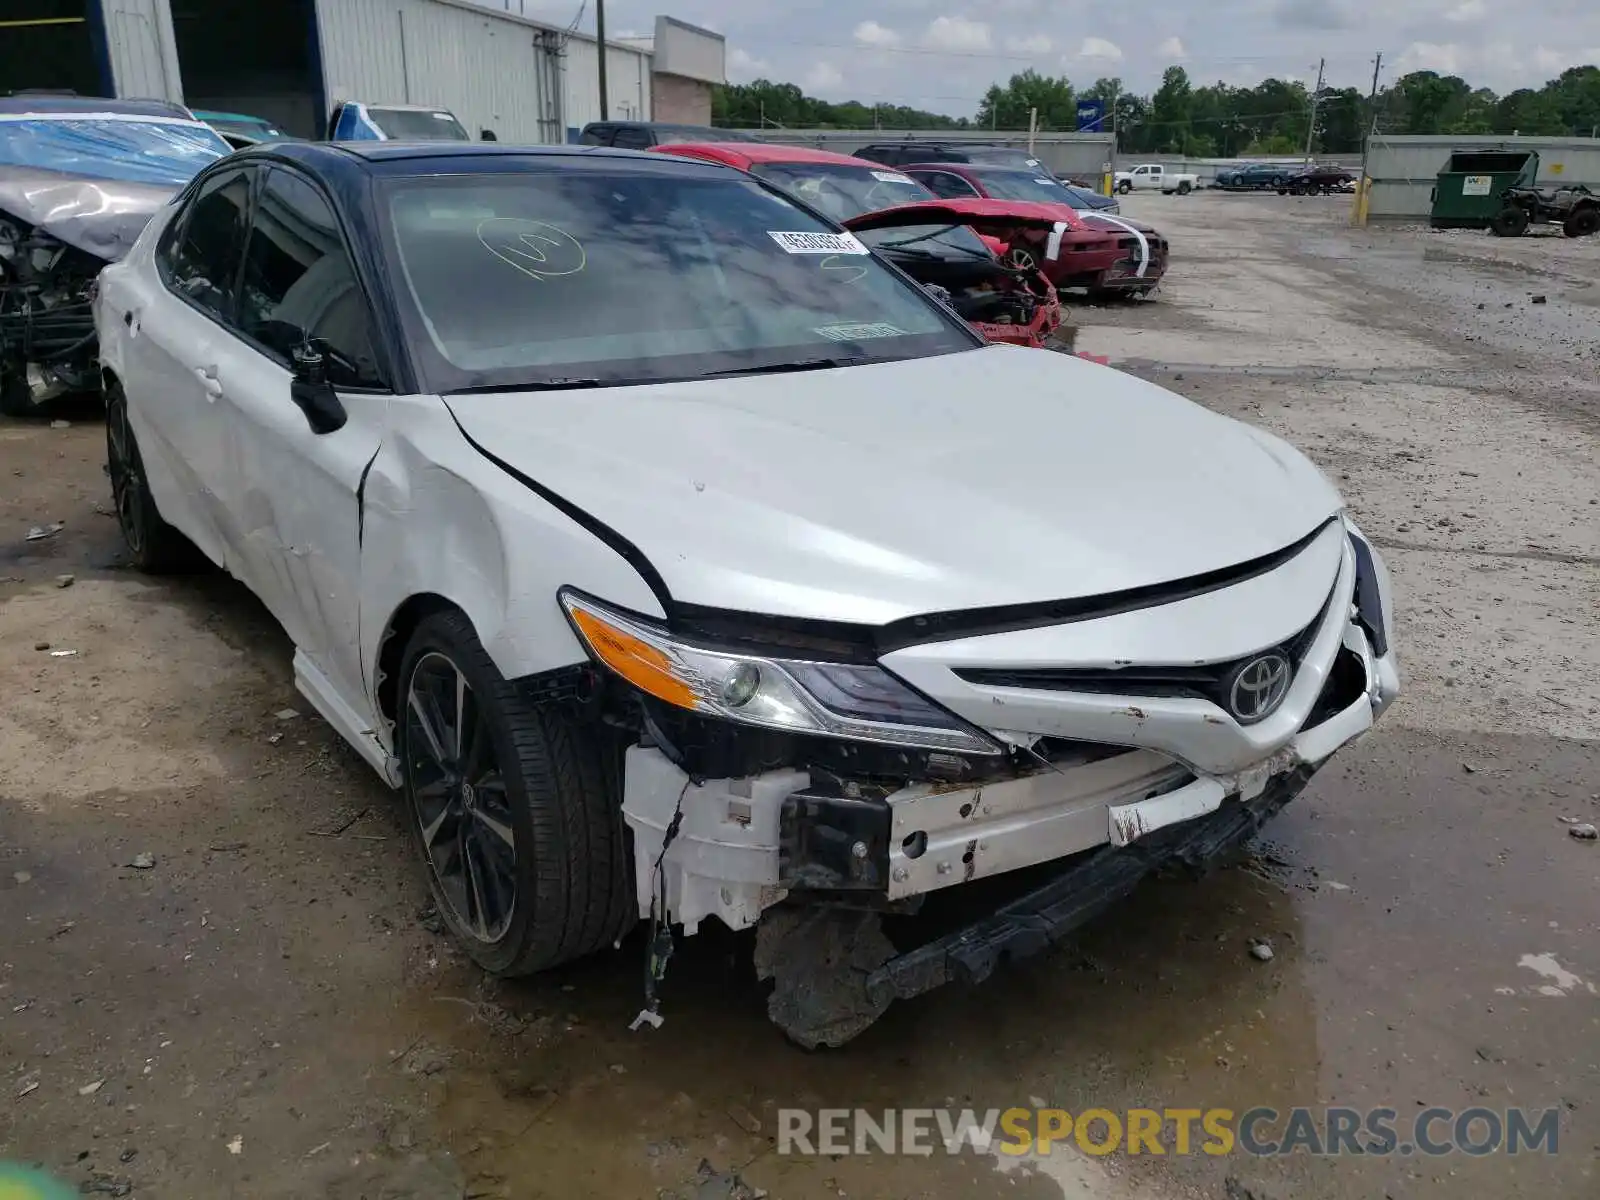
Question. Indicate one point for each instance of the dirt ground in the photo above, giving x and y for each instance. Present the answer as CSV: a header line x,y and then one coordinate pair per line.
x,y
263,1007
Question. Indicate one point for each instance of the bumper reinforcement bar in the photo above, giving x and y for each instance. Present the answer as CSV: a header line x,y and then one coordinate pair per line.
x,y
1051,913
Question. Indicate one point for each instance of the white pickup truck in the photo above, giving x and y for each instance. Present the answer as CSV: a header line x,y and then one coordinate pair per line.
x,y
1153,176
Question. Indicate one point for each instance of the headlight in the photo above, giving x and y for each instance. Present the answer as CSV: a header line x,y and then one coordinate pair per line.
x,y
844,700
1372,591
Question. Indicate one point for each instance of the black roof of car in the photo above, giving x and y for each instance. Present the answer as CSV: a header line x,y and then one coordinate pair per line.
x,y
51,102
431,158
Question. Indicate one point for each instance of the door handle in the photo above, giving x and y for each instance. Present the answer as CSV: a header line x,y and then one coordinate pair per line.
x,y
209,381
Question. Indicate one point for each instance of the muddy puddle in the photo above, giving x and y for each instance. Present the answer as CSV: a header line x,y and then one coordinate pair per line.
x,y
546,1093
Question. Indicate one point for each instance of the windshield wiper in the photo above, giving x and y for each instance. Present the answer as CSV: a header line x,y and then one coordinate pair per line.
x,y
921,237
533,385
803,364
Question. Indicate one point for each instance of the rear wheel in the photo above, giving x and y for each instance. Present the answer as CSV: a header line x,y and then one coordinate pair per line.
x,y
1510,222
519,830
16,398
154,546
1582,223
1184,188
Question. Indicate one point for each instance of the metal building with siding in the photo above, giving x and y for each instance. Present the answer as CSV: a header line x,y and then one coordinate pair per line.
x,y
290,61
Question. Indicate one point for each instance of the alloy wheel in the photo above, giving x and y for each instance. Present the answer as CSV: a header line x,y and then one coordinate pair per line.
x,y
127,482
459,799
1020,260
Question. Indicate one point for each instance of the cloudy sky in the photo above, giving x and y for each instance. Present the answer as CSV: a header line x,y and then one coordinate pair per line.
x,y
942,54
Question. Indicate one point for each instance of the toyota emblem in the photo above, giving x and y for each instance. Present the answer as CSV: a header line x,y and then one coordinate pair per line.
x,y
1259,687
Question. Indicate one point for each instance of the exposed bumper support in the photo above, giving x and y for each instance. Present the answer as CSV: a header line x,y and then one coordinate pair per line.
x,y
1050,914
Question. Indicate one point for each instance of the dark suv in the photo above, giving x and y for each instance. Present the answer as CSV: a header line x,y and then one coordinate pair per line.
x,y
898,154
641,135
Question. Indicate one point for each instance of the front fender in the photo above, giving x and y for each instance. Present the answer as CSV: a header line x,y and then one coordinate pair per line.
x,y
440,519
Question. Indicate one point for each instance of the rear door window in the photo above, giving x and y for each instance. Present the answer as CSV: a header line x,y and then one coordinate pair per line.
x,y
201,262
596,135
632,138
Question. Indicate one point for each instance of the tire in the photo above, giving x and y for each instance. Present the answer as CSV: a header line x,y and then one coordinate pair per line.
x,y
1184,188
16,397
1583,223
1125,187
519,805
1510,222
154,546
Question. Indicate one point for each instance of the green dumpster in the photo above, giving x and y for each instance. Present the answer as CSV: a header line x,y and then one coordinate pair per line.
x,y
1467,195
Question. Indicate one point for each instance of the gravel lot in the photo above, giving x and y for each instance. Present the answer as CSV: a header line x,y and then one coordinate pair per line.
x,y
263,1011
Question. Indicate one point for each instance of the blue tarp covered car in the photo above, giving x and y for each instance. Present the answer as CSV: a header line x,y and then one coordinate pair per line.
x,y
79,179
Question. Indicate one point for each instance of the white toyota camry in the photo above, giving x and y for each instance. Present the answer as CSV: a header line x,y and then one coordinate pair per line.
x,y
678,558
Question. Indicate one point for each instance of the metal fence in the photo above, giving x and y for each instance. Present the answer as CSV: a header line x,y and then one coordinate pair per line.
x,y
1404,169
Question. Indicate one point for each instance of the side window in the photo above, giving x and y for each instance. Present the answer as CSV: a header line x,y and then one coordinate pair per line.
x,y
201,261
300,285
872,154
950,187
596,135
631,139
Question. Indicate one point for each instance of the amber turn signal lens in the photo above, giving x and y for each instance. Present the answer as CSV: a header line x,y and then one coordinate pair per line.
x,y
641,664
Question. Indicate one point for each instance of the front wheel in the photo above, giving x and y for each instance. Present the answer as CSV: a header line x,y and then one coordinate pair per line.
x,y
511,808
1510,222
1125,187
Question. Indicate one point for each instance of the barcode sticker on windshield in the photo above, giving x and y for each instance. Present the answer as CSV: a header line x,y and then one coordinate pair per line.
x,y
818,243
1046,182
860,333
891,177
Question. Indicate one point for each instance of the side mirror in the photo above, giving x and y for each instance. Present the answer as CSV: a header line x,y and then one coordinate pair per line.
x,y
312,392
489,136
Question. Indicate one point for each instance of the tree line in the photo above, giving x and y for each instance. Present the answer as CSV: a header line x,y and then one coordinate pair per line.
x,y
1271,118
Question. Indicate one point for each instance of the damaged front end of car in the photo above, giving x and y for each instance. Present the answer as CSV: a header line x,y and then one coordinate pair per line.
x,y
1003,302
824,784
76,190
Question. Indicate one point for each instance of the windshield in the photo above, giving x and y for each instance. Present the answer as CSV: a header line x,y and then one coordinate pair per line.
x,y
247,127
410,125
843,191
156,150
1010,158
1026,185
575,278
927,241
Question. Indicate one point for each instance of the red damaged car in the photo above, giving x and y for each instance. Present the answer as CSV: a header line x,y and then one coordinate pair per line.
x,y
1005,303
1106,254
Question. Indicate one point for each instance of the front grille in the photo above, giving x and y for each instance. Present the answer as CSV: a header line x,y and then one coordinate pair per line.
x,y
1207,681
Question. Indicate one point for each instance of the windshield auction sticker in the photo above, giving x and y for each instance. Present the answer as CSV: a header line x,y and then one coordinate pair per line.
x,y
858,333
818,243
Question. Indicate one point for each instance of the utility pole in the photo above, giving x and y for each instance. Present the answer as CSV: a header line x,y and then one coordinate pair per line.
x,y
1363,188
1372,100
1372,107
1316,98
1033,127
600,53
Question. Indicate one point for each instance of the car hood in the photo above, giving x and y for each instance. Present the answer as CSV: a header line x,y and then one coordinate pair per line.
x,y
1095,220
867,494
975,211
